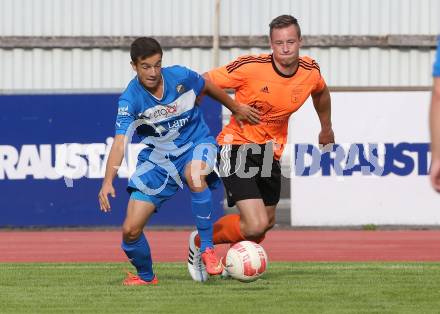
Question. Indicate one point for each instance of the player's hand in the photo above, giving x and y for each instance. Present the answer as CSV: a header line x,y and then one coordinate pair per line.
x,y
247,113
326,137
104,203
434,174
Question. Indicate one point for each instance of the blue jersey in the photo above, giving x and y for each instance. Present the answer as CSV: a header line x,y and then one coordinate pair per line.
x,y
436,69
172,123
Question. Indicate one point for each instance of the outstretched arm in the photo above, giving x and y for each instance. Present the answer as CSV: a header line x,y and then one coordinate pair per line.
x,y
322,103
434,121
241,112
113,162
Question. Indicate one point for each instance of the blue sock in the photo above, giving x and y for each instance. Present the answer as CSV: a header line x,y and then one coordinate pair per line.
x,y
202,211
138,252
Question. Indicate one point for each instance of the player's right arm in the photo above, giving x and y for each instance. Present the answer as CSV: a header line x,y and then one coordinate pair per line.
x,y
126,116
233,77
113,162
240,112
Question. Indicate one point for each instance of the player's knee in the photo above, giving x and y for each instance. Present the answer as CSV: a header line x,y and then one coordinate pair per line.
x,y
130,233
195,175
255,230
197,184
254,234
197,188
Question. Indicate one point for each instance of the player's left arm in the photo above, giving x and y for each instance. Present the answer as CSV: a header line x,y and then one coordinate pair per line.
x,y
322,103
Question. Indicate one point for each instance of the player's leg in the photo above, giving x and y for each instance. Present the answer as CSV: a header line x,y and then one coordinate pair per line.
x,y
270,216
270,188
254,219
251,223
150,186
134,242
201,201
196,172
256,198
240,167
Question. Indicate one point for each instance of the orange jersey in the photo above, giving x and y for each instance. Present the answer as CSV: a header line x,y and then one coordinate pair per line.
x,y
258,83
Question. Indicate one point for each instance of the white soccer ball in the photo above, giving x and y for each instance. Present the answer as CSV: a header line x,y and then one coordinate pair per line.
x,y
246,261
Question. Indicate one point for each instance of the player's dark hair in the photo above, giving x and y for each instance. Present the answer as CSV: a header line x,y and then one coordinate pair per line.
x,y
283,21
144,47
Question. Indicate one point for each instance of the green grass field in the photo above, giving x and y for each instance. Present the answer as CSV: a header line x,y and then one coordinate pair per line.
x,y
285,288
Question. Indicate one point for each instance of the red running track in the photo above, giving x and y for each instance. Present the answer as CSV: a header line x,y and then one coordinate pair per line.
x,y
171,246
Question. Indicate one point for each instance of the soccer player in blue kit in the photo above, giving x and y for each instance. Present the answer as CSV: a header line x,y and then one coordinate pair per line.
x,y
160,105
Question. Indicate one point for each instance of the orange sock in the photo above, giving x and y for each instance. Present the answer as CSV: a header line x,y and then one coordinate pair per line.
x,y
226,230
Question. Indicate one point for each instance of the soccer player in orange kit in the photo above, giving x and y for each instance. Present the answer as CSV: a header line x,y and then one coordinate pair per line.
x,y
277,85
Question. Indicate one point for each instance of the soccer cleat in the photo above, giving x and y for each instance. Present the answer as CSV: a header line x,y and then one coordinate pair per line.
x,y
196,268
133,280
213,265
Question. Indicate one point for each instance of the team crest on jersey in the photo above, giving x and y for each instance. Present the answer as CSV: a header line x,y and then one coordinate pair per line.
x,y
296,95
180,89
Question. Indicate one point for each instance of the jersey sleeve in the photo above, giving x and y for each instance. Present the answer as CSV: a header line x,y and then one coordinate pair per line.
x,y
320,82
319,86
436,67
228,76
126,115
195,81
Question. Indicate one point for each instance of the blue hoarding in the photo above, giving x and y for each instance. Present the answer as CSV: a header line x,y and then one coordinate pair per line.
x,y
36,130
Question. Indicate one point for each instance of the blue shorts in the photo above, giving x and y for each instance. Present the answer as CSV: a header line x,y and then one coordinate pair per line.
x,y
159,177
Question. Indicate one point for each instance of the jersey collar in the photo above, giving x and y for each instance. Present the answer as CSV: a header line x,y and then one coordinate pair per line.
x,y
278,71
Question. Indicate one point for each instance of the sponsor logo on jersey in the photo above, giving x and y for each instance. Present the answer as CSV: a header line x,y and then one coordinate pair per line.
x,y
161,113
267,115
123,111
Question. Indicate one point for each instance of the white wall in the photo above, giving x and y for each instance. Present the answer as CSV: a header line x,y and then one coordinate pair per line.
x,y
110,69
194,17
37,69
